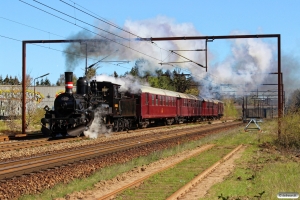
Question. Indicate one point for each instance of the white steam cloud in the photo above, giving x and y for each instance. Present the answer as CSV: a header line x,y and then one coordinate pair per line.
x,y
98,128
248,64
128,83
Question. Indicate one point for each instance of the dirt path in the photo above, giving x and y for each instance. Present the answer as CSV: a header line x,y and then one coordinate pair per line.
x,y
216,176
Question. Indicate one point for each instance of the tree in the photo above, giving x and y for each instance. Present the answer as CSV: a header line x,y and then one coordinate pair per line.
x,y
91,73
42,82
15,81
47,82
181,81
6,80
116,74
28,80
61,80
294,101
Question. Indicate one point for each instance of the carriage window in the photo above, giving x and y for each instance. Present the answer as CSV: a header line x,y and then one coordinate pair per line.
x,y
167,101
152,99
156,99
147,98
161,101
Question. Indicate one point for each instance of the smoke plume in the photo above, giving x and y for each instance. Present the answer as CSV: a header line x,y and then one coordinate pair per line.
x,y
246,67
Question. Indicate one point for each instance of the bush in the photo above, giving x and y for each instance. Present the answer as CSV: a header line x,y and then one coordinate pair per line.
x,y
290,131
230,111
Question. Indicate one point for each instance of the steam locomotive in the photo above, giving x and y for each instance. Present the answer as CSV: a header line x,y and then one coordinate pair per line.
x,y
75,112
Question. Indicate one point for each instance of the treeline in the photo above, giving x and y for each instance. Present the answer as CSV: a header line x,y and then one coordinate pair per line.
x,y
9,80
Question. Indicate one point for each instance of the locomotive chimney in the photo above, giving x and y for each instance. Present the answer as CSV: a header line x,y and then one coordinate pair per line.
x,y
69,82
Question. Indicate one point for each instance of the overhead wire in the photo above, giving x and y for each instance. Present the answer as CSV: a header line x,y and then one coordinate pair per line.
x,y
92,31
56,50
105,21
31,27
79,20
103,30
48,33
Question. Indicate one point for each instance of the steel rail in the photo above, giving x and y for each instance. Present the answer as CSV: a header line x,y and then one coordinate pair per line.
x,y
33,143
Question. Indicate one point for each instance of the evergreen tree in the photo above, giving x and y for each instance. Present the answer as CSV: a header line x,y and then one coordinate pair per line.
x,y
47,82
42,82
6,80
11,81
1,80
16,81
115,74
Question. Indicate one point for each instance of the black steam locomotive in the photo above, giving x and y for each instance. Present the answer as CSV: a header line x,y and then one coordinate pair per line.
x,y
74,112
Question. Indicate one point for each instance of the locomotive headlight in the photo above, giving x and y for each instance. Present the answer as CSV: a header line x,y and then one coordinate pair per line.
x,y
116,105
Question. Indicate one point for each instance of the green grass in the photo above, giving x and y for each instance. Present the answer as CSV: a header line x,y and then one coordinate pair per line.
x,y
258,172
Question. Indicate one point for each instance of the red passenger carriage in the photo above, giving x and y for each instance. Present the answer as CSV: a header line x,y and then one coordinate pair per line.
x,y
168,107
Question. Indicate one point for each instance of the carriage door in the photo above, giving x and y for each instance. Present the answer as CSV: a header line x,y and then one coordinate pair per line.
x,y
147,103
178,106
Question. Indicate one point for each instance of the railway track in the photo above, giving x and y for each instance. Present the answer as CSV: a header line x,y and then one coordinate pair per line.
x,y
34,164
29,143
39,135
179,194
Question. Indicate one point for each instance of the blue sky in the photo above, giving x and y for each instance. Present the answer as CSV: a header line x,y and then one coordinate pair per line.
x,y
209,17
